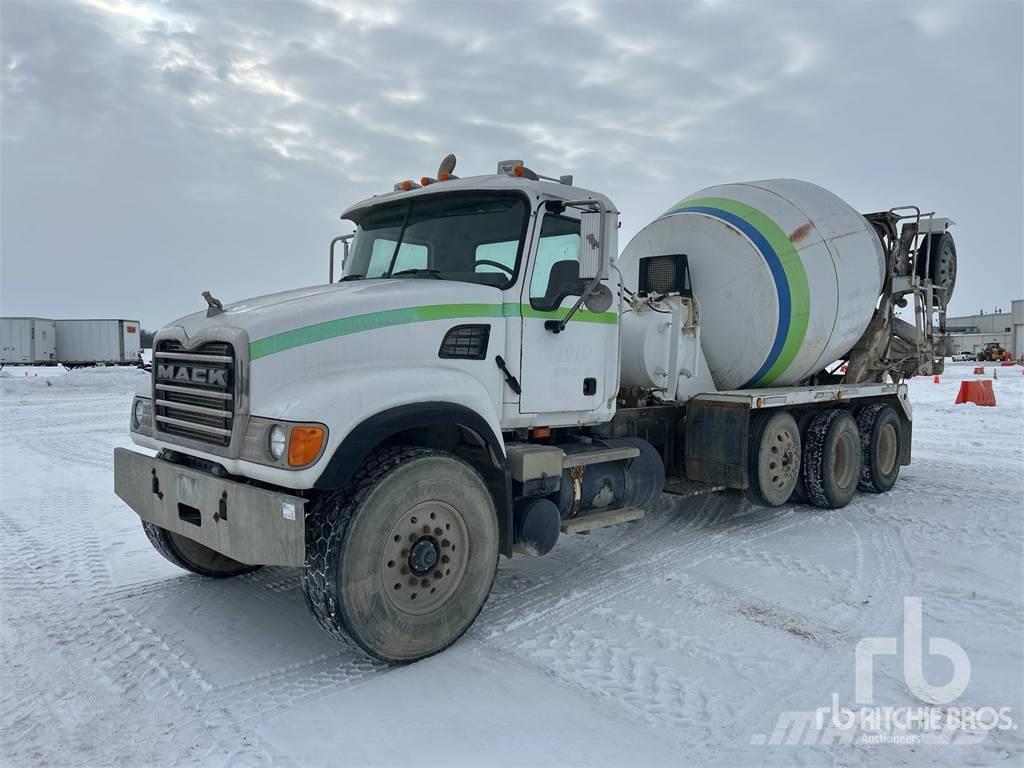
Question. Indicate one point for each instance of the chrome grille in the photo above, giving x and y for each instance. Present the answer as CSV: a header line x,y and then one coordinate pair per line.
x,y
193,391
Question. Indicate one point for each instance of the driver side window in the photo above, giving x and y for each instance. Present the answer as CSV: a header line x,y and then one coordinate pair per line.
x,y
498,253
556,270
410,256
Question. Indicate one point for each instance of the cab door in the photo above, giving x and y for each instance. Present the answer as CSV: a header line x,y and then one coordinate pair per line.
x,y
574,372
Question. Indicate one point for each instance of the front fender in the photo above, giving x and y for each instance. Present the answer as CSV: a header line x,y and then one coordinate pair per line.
x,y
344,399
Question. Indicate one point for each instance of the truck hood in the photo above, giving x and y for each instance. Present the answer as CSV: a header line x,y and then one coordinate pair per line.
x,y
265,316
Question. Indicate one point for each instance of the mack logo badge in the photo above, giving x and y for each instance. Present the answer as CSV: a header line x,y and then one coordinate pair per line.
x,y
191,374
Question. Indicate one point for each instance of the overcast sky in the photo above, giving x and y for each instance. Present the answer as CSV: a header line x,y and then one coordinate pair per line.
x,y
153,150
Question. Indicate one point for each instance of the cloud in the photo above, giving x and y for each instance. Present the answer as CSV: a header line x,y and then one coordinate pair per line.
x,y
223,138
935,20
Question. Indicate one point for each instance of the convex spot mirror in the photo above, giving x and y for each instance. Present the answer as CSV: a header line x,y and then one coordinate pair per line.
x,y
599,299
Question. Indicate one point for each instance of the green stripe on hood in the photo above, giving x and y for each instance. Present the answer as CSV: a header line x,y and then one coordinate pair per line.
x,y
371,321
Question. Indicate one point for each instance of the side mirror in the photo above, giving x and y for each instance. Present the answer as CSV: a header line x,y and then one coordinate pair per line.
x,y
593,261
344,240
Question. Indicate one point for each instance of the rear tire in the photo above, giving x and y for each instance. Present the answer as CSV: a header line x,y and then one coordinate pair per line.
x,y
400,564
193,556
799,491
881,439
832,459
773,462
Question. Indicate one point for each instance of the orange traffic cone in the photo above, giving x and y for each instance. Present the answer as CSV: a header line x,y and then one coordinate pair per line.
x,y
935,379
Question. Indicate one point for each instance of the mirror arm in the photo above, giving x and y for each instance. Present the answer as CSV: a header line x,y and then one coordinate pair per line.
x,y
557,326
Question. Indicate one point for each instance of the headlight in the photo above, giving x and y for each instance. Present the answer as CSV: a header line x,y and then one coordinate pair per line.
x,y
142,416
277,442
138,413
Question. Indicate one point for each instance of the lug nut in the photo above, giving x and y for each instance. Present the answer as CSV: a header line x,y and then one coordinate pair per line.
x,y
438,531
445,543
412,581
437,575
425,582
405,570
426,529
444,558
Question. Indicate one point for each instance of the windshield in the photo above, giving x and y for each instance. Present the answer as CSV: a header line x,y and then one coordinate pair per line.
x,y
473,237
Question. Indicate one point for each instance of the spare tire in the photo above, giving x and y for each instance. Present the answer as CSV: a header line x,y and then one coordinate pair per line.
x,y
193,556
936,260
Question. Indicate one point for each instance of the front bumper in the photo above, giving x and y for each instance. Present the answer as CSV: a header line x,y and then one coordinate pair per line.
x,y
247,524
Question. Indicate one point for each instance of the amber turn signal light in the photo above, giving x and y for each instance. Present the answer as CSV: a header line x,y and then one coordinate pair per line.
x,y
304,445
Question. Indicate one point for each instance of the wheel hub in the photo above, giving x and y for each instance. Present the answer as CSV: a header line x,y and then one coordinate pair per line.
x,y
424,557
782,463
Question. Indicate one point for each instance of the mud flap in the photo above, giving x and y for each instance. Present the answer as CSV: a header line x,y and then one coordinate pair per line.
x,y
716,443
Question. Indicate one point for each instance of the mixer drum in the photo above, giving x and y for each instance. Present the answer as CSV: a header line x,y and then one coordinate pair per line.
x,y
786,274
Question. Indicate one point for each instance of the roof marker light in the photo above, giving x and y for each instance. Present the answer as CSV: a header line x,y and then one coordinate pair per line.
x,y
523,172
405,186
518,168
426,180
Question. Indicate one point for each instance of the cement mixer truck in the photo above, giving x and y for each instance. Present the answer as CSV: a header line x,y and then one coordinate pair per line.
x,y
488,372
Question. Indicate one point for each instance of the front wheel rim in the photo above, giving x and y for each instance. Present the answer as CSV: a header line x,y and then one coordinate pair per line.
x,y
424,557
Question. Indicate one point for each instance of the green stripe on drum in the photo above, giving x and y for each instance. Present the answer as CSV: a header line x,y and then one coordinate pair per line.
x,y
793,267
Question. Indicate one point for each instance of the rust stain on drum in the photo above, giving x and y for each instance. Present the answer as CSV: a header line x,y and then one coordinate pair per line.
x,y
800,232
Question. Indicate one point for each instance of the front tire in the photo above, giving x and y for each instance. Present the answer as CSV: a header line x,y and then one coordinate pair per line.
x,y
400,564
193,556
832,459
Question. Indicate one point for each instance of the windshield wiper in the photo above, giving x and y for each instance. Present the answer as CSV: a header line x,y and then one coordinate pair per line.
x,y
434,273
346,278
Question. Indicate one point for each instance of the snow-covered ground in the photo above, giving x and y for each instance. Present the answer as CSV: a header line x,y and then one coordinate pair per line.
x,y
683,639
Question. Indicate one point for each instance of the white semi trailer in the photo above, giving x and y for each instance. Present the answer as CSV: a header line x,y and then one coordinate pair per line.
x,y
98,342
490,372
27,341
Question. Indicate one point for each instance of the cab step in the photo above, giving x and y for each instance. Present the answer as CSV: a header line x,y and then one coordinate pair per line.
x,y
598,456
587,523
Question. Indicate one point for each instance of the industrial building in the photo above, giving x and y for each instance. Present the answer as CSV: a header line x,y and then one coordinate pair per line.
x,y
970,333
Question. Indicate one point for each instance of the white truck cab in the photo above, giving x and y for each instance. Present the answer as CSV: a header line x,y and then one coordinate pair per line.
x,y
458,394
